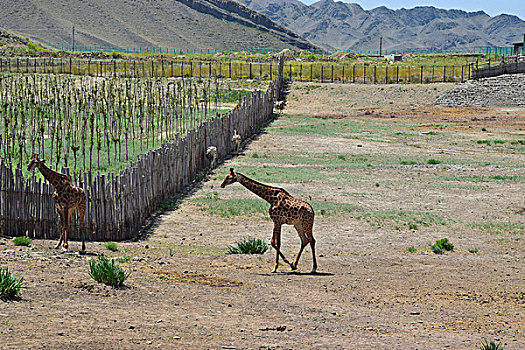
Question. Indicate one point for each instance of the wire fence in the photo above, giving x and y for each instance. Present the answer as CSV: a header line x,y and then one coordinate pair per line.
x,y
488,50
293,70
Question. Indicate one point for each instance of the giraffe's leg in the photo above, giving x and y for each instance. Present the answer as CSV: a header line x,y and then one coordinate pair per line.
x,y
276,243
310,236
62,216
69,212
304,243
81,213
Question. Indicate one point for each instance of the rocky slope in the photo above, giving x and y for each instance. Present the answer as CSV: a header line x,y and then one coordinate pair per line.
x,y
504,91
221,24
341,25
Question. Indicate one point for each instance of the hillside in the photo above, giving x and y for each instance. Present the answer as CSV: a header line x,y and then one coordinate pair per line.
x,y
341,25
220,24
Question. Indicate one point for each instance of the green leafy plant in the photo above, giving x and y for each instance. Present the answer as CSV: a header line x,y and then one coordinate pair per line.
x,y
433,161
111,246
411,249
490,345
248,245
473,250
10,285
441,246
22,241
104,270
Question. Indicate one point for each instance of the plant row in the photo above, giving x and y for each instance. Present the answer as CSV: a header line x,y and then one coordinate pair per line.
x,y
101,124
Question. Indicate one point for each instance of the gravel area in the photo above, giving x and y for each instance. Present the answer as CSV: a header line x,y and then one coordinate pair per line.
x,y
502,91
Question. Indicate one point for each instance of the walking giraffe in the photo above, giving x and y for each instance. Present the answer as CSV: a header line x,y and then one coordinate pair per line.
x,y
284,209
67,197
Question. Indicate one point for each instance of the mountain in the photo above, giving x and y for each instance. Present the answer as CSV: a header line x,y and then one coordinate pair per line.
x,y
339,25
220,24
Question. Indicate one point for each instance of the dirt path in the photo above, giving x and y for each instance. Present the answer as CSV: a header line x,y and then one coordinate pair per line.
x,y
367,170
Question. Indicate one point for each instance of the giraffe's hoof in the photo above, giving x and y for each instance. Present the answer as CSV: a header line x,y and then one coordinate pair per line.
x,y
293,267
313,272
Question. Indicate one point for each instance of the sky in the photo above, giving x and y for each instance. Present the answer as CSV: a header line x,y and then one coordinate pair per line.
x,y
491,7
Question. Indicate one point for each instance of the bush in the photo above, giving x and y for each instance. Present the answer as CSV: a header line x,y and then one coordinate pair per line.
x,y
248,245
441,246
10,285
22,240
105,271
111,246
411,249
490,345
433,161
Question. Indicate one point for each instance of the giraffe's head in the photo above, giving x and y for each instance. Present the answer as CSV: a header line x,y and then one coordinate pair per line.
x,y
35,162
230,179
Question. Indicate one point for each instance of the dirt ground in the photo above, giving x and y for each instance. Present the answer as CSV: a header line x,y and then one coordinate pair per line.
x,y
370,292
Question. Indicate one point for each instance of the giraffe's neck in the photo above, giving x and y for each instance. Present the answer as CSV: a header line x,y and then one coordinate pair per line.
x,y
54,177
268,193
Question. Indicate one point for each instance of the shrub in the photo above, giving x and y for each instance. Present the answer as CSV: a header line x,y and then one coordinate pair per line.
x,y
105,271
9,285
111,246
411,249
433,161
248,245
22,240
441,246
490,345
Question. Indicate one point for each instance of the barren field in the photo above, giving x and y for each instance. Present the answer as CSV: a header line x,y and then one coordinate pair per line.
x,y
388,175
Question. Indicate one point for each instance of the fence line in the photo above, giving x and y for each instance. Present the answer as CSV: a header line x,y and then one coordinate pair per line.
x,y
300,71
497,50
508,65
118,204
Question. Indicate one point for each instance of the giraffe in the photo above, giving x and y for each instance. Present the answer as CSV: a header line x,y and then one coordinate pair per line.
x,y
284,209
236,139
67,197
211,155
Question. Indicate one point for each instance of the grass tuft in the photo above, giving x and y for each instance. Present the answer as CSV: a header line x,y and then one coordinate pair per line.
x,y
22,241
104,270
490,345
249,245
10,285
111,246
441,246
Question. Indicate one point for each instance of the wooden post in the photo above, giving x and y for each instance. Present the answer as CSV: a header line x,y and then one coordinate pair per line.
x,y
291,71
343,74
444,73
332,73
421,75
432,73
231,69
70,65
386,74
251,76
353,74
322,72
364,73
375,76
462,66
301,73
152,69
311,72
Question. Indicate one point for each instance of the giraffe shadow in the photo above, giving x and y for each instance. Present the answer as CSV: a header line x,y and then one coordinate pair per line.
x,y
297,273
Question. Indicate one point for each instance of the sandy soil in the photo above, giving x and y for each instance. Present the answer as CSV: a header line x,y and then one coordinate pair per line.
x,y
370,292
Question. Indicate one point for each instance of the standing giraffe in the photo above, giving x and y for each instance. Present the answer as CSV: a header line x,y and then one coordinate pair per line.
x,y
67,197
284,209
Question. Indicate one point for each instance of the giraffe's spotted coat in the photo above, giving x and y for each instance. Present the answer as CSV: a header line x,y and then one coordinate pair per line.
x,y
284,209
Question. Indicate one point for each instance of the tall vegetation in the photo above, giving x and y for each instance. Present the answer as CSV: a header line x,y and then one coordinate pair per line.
x,y
88,123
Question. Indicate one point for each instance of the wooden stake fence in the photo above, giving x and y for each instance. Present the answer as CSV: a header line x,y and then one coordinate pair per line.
x,y
119,204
